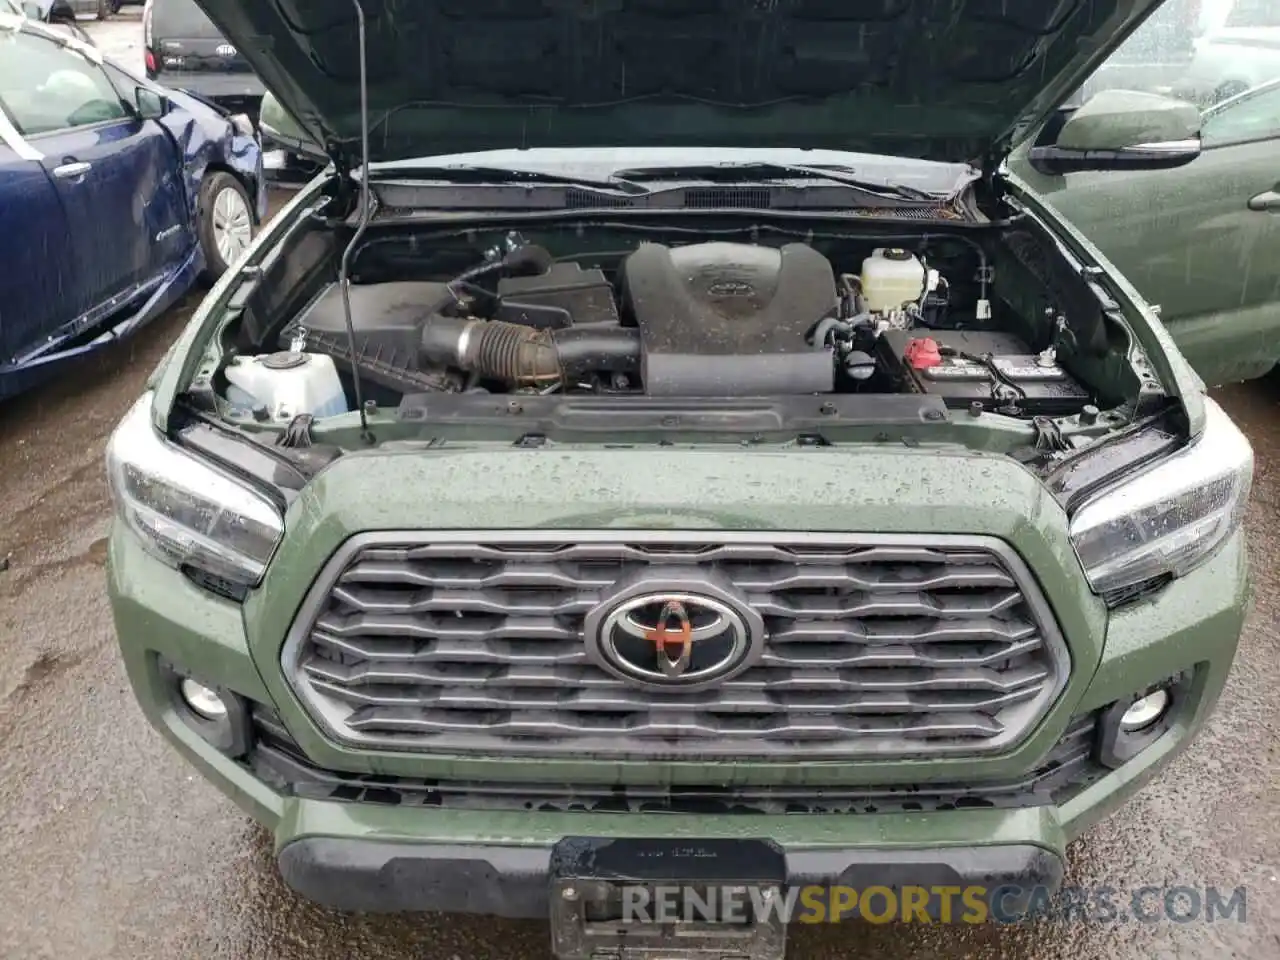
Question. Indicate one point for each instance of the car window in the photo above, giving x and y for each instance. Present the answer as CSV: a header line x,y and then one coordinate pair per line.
x,y
1203,51
1251,118
1254,13
181,19
45,86
126,85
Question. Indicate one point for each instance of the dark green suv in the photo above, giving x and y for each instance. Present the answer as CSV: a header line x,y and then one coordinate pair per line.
x,y
662,448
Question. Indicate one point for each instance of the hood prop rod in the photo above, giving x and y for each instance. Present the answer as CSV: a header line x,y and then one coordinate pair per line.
x,y
366,211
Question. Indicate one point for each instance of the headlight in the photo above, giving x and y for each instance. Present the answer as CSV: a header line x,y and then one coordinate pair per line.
x,y
188,513
1171,518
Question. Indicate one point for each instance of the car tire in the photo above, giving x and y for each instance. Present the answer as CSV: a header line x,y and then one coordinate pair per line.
x,y
225,226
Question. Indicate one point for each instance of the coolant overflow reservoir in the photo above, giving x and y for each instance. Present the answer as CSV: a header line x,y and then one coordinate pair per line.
x,y
287,384
891,278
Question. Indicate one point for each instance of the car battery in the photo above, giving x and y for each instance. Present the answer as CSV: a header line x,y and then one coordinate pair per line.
x,y
994,369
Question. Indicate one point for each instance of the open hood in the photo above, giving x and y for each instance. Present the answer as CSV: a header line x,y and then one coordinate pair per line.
x,y
953,80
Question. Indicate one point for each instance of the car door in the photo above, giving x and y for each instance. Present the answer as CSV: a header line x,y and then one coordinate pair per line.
x,y
1201,241
115,173
168,209
37,260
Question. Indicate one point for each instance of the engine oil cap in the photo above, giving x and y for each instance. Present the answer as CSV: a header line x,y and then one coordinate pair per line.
x,y
284,360
922,353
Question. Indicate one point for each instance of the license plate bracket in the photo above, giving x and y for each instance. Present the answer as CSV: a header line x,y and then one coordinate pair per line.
x,y
667,899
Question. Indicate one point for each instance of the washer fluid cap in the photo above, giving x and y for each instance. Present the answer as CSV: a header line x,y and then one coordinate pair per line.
x,y
284,360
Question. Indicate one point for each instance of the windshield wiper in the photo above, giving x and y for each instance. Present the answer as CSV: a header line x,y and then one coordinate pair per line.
x,y
753,171
479,175
657,187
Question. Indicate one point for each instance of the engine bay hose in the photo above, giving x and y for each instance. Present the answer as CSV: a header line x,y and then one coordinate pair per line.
x,y
526,355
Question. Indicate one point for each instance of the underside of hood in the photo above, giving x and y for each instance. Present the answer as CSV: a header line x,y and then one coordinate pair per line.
x,y
953,80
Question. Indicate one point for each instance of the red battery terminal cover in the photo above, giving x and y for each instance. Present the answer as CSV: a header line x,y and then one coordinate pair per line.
x,y
922,353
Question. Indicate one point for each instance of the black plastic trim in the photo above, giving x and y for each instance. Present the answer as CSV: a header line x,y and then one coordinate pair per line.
x,y
1068,768
1121,456
514,881
1056,161
557,416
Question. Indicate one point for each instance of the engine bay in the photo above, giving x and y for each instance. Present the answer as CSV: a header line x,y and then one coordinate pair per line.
x,y
702,319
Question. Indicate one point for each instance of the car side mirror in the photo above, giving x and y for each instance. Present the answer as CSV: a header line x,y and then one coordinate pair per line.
x,y
151,105
282,131
1120,130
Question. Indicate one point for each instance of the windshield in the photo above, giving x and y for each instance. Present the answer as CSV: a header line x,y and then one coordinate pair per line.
x,y
1204,51
181,18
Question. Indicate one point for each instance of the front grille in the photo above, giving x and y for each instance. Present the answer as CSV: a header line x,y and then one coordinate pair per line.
x,y
693,198
1069,768
712,198
577,199
873,646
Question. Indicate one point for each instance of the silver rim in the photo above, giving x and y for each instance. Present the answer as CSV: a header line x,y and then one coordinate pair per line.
x,y
232,225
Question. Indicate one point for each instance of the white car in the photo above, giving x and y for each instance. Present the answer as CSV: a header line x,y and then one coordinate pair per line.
x,y
61,17
1244,52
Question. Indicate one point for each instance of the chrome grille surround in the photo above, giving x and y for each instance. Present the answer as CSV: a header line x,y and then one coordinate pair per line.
x,y
878,646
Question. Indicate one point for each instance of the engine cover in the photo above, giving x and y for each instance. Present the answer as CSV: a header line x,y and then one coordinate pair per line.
x,y
729,319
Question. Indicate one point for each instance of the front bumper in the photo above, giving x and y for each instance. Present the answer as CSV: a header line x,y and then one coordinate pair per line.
x,y
514,881
242,89
370,856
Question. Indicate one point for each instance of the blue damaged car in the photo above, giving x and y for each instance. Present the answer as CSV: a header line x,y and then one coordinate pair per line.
x,y
116,196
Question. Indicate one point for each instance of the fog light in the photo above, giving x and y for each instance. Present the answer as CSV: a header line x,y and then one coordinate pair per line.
x,y
203,701
218,715
1129,726
1145,711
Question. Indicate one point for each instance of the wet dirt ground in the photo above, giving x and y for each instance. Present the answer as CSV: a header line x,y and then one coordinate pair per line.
x,y
111,848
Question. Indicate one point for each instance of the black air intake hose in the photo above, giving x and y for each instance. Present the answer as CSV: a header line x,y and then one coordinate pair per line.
x,y
520,354
583,350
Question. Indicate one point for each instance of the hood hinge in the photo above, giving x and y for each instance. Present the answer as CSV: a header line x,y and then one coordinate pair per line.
x,y
339,157
345,190
990,166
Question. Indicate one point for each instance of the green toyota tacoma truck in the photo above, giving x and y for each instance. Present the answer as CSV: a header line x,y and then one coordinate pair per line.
x,y
664,448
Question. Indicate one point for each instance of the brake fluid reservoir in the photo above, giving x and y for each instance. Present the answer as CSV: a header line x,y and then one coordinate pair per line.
x,y
891,278
287,384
